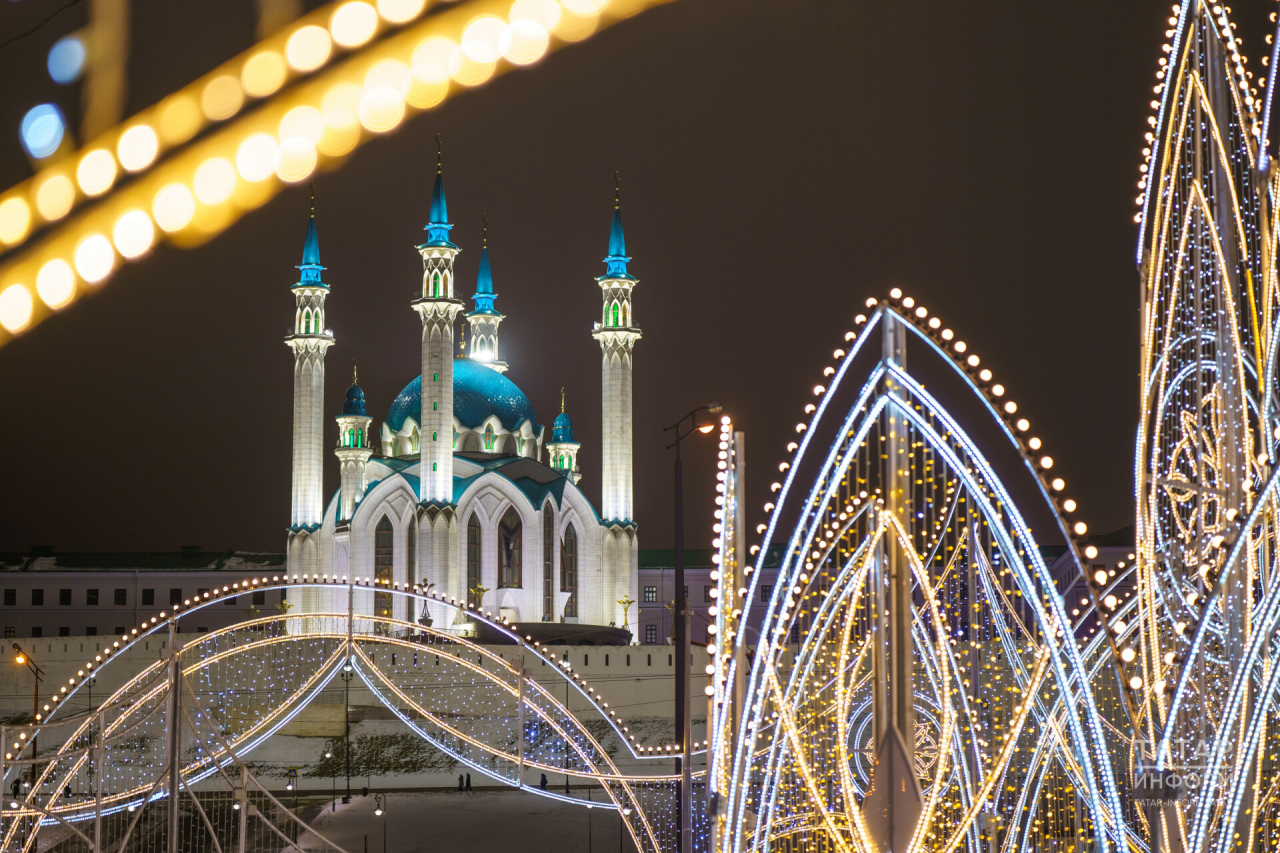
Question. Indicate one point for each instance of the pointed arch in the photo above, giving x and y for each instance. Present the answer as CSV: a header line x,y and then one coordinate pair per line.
x,y
474,578
306,321
624,314
615,314
510,550
435,285
548,561
384,552
569,570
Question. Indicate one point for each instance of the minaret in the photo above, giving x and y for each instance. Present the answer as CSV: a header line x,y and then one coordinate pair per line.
x,y
484,319
617,334
438,309
562,449
309,342
353,450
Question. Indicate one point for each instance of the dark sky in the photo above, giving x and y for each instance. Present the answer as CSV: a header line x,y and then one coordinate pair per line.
x,y
781,161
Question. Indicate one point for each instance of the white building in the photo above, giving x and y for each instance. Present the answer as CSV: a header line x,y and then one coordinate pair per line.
x,y
451,488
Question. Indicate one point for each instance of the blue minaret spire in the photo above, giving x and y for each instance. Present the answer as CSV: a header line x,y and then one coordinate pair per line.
x,y
616,262
485,318
310,265
438,226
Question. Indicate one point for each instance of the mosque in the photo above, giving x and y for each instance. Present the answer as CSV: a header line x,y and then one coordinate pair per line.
x,y
460,486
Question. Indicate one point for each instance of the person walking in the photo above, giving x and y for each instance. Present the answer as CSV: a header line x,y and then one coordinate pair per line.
x,y
468,781
543,783
459,781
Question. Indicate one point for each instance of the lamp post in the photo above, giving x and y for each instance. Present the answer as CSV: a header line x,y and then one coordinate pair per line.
x,y
347,675
22,659
379,811
684,822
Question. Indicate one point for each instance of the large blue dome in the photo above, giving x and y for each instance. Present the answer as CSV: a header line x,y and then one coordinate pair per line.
x,y
478,392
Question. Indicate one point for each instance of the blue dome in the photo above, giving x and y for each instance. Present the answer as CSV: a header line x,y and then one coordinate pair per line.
x,y
478,392
353,403
562,429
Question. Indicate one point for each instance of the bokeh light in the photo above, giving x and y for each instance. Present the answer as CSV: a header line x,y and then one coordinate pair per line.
x,y
382,109
255,159
15,219
425,94
527,43
42,130
389,73
574,27
137,147
55,196
263,73
296,159
66,59
308,48
341,112
585,7
95,258
432,59
179,119
353,23
482,40
215,180
133,233
173,207
96,172
306,122
15,307
469,72
222,97
544,13
399,11
56,283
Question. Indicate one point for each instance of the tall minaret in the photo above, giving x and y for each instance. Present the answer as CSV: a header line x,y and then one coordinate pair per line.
x,y
484,319
309,342
353,450
438,309
617,334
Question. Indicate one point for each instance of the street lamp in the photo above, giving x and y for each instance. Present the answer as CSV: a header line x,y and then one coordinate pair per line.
x,y
684,834
347,675
378,810
24,659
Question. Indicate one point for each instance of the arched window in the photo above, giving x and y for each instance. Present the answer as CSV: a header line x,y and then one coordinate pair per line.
x,y
548,559
624,313
473,560
509,550
615,314
351,438
360,437
306,322
433,435
435,405
383,559
411,554
435,286
413,441
488,438
569,571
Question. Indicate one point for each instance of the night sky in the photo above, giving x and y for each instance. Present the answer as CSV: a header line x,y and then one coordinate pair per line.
x,y
781,161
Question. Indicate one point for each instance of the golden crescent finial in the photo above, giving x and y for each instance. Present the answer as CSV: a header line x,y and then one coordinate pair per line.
x,y
562,399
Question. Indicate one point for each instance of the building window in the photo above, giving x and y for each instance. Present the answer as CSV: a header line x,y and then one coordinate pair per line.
x,y
37,632
509,531
64,631
10,632
569,570
766,592
706,593
411,553
624,314
11,597
37,598
259,597
91,597
488,438
148,597
64,597
651,635
548,563
122,597
91,632
650,594
473,561
120,631
230,601
175,597
615,313
383,557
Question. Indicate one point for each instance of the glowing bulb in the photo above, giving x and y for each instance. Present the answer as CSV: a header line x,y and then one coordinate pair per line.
x,y
133,233
137,147
15,312
1080,528
308,48
382,109
215,180
296,159
353,23
55,197
222,98
256,158
15,220
56,283
263,73
173,207
95,258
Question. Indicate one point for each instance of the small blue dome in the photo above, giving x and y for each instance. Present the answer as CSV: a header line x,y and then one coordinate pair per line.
x,y
478,392
562,429
353,403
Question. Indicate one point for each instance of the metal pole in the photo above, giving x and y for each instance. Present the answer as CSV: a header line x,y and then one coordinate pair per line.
x,y
175,743
99,757
519,662
244,808
346,731
683,834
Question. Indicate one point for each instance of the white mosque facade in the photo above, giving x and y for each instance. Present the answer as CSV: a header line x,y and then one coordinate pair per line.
x,y
460,486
